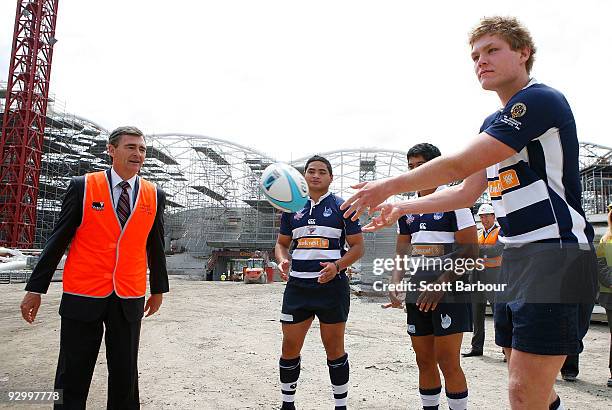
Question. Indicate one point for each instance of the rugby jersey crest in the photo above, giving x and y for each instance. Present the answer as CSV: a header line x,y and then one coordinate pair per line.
x,y
318,233
536,193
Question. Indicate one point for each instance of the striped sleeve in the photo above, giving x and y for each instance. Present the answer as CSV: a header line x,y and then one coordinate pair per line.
x,y
464,218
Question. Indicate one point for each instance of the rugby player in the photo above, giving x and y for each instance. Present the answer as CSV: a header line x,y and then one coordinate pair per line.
x,y
311,250
435,331
532,174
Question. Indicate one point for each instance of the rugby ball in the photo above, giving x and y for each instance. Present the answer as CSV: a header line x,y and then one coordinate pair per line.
x,y
284,187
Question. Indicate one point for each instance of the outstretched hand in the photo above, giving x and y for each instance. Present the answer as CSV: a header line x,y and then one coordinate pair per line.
x,y
370,195
389,214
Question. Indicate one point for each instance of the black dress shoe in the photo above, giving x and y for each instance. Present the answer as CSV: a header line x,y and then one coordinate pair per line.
x,y
472,353
569,377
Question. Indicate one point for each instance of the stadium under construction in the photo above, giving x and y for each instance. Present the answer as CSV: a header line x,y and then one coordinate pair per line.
x,y
216,216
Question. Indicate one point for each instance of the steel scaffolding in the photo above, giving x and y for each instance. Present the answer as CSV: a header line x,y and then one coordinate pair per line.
x,y
213,199
213,196
596,177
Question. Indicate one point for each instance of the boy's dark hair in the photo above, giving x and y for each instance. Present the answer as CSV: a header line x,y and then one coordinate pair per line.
x,y
427,151
321,159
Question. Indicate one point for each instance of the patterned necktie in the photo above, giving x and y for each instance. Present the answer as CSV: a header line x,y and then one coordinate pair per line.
x,y
123,206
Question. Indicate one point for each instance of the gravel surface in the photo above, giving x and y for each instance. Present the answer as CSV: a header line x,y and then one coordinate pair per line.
x,y
215,345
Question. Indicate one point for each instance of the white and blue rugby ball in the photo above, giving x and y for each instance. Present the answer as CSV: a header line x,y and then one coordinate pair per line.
x,y
284,187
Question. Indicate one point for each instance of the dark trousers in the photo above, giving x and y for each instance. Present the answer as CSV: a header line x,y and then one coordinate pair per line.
x,y
571,364
479,305
478,316
79,346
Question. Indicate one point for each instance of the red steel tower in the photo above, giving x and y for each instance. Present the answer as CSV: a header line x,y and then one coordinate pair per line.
x,y
24,120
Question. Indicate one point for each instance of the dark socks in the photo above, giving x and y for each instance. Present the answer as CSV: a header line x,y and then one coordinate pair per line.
x,y
289,375
339,376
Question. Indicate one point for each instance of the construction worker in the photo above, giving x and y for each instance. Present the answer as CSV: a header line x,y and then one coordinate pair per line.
x,y
490,252
113,221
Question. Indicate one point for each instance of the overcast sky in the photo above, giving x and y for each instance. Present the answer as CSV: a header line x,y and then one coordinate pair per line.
x,y
290,78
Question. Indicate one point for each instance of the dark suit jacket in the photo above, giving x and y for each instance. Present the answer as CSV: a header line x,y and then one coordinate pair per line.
x,y
90,309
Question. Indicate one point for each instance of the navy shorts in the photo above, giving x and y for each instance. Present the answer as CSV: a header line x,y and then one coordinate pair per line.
x,y
446,319
548,308
305,298
542,328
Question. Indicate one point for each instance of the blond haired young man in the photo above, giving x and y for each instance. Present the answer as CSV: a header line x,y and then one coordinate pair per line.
x,y
531,172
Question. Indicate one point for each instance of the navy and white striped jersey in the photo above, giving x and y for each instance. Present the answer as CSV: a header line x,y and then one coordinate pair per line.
x,y
433,235
319,234
536,193
435,229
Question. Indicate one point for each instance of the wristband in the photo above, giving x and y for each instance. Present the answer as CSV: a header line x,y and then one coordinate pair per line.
x,y
337,267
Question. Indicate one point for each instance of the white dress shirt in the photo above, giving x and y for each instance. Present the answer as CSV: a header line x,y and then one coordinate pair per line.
x,y
115,181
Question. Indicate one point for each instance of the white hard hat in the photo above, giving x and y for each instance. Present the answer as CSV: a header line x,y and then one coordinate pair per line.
x,y
485,209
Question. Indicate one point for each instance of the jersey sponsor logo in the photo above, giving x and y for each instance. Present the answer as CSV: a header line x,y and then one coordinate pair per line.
x,y
411,329
312,230
506,180
422,226
495,189
518,110
312,222
438,215
509,179
445,321
427,250
309,243
327,212
97,206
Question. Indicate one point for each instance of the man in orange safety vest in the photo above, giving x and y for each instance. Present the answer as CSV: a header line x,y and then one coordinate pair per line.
x,y
113,221
490,252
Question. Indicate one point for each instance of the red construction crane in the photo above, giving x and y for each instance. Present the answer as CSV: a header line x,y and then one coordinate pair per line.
x,y
24,120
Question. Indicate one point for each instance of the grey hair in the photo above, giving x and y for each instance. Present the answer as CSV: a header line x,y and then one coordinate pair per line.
x,y
117,133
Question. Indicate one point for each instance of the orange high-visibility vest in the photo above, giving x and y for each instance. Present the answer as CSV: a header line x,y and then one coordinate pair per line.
x,y
490,239
104,258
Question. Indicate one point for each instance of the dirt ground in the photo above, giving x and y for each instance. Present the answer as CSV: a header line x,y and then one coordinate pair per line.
x,y
215,345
